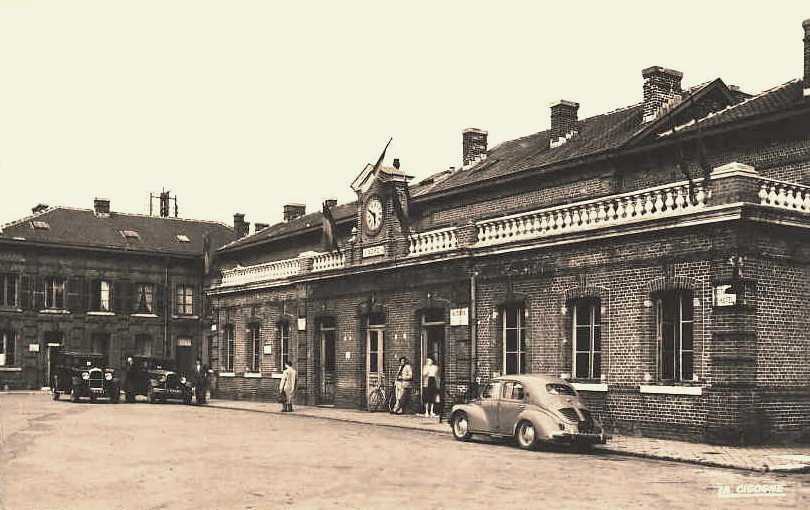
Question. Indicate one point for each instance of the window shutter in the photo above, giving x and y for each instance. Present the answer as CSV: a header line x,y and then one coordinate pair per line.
x,y
74,301
39,293
160,300
121,296
24,292
89,303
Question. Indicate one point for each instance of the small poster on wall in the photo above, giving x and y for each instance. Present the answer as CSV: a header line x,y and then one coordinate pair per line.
x,y
459,316
722,297
302,323
268,349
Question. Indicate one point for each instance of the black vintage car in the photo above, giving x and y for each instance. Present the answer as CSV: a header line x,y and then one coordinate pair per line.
x,y
83,374
157,379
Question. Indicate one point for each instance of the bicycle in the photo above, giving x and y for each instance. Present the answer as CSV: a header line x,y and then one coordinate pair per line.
x,y
379,399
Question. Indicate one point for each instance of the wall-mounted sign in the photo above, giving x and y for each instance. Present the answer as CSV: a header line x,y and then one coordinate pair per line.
x,y
268,348
33,347
722,298
302,323
459,316
348,355
213,327
374,251
183,341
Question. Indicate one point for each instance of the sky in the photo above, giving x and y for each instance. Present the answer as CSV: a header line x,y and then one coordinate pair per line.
x,y
243,106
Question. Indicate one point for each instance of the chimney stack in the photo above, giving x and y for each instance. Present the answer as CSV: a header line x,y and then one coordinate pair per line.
x,y
474,145
662,89
332,202
101,206
293,211
396,163
39,208
241,226
563,121
806,81
260,226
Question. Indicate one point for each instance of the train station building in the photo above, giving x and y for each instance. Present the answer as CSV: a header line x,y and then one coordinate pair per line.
x,y
656,256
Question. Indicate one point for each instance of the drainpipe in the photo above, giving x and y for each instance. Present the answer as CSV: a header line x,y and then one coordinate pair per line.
x,y
473,329
166,309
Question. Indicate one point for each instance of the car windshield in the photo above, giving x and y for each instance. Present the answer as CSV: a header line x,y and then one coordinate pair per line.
x,y
560,389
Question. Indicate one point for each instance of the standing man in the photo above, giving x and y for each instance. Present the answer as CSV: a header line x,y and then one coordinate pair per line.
x,y
199,375
403,385
286,386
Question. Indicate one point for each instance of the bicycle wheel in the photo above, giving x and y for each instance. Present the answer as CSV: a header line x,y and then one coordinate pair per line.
x,y
376,399
391,401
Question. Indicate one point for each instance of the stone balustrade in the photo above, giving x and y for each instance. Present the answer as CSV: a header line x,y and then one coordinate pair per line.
x,y
432,241
275,270
647,204
328,261
784,195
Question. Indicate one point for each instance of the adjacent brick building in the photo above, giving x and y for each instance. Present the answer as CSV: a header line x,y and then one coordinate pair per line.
x,y
103,281
656,255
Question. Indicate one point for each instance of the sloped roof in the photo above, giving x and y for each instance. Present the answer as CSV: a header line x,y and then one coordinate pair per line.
x,y
83,228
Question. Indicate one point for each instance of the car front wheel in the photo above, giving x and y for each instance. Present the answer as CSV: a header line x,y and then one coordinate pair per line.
x,y
526,435
460,424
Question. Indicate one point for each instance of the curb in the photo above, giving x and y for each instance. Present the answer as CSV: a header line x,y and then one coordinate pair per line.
x,y
784,468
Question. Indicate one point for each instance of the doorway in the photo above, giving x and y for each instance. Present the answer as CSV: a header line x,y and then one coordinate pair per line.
x,y
375,348
183,355
53,344
328,334
433,343
101,345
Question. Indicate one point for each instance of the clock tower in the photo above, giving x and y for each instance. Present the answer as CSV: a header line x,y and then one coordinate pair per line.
x,y
382,199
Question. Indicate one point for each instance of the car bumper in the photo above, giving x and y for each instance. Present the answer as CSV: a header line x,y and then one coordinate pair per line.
x,y
581,437
172,393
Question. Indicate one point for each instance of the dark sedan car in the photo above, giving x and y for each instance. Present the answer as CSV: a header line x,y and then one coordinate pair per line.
x,y
530,408
157,379
84,374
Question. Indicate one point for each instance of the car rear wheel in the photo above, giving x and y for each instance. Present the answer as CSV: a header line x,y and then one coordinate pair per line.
x,y
460,424
526,435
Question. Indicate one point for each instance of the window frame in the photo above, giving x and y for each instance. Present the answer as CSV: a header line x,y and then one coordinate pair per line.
x,y
283,332
147,304
5,278
229,348
520,327
100,295
54,292
184,299
681,298
8,337
592,326
254,348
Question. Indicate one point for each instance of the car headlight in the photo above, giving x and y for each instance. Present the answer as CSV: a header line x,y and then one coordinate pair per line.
x,y
182,380
108,376
85,375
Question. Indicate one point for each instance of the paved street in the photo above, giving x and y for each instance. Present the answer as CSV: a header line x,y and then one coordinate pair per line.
x,y
58,455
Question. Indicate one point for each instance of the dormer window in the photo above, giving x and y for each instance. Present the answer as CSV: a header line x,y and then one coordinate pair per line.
x,y
130,234
40,225
183,238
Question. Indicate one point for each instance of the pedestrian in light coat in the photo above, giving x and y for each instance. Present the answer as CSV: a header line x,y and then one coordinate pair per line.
x,y
287,385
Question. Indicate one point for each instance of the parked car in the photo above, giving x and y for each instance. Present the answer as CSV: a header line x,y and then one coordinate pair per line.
x,y
531,409
83,374
155,378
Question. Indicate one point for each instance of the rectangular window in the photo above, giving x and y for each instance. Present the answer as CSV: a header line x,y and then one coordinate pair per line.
x,y
514,340
255,348
184,300
102,296
675,336
228,339
284,343
145,295
8,290
55,293
587,339
7,338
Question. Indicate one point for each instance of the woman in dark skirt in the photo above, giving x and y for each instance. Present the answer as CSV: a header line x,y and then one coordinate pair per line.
x,y
430,386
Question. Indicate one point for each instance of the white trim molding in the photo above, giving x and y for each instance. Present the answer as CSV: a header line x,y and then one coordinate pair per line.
x,y
253,375
102,314
598,387
671,390
145,315
276,375
227,374
10,369
55,311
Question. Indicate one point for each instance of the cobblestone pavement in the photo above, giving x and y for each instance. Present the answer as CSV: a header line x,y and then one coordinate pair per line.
x,y
59,455
795,458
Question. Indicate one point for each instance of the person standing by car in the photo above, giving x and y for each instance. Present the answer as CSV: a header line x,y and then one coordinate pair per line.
x,y
430,386
403,385
199,376
286,386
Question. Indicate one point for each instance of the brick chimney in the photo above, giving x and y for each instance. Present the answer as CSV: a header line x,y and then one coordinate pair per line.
x,y
806,81
662,88
332,202
293,211
474,145
39,208
241,226
396,163
563,121
101,206
260,226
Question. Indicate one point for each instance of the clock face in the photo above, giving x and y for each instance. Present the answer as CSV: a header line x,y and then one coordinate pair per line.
x,y
374,214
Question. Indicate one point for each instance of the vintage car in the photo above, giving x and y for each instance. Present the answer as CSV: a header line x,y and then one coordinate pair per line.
x,y
531,409
83,374
157,379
